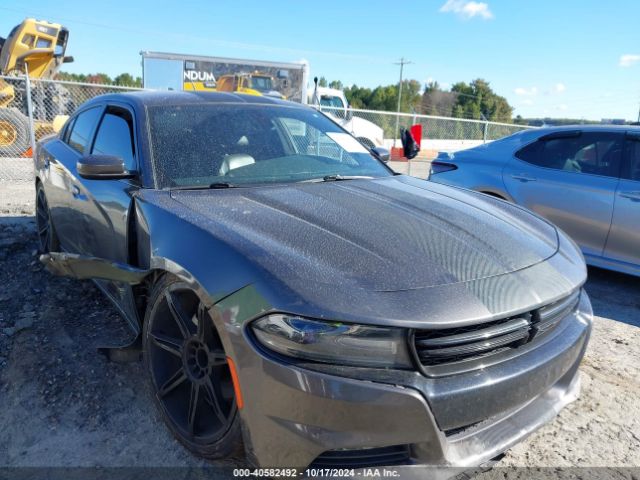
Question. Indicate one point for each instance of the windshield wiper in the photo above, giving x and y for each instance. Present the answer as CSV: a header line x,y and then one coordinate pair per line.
x,y
337,178
214,185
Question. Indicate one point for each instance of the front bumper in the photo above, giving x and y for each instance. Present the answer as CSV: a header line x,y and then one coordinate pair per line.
x,y
293,414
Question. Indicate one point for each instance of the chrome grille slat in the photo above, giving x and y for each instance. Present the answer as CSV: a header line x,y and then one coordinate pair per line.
x,y
554,309
461,344
478,347
475,336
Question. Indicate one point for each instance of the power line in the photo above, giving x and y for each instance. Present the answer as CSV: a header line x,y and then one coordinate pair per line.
x,y
402,63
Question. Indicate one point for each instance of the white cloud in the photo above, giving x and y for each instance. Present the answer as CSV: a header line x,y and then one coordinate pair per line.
x,y
467,9
628,60
527,101
559,87
526,92
562,107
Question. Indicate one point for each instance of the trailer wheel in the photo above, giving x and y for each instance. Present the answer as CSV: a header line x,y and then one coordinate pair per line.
x,y
14,132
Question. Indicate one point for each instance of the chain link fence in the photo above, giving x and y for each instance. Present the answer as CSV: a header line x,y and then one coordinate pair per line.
x,y
376,128
50,102
433,128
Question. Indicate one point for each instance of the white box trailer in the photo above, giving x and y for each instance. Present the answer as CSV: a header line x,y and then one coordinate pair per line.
x,y
172,71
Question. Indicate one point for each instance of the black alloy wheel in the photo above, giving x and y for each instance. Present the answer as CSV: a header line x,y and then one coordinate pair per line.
x,y
189,371
47,240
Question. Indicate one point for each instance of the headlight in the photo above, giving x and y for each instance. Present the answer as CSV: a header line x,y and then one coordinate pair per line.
x,y
334,342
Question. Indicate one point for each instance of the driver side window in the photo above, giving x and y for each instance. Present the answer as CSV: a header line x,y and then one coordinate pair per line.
x,y
115,136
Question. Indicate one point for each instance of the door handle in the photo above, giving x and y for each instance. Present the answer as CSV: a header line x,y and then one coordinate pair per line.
x,y
75,191
523,178
635,196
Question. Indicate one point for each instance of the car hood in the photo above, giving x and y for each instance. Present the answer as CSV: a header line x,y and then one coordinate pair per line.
x,y
383,235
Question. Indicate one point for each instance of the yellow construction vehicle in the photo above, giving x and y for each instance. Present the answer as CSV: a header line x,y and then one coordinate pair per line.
x,y
256,83
36,48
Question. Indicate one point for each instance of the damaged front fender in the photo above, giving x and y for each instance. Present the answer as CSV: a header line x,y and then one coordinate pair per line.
x,y
86,267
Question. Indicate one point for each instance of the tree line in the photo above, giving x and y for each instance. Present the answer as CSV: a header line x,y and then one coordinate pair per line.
x,y
475,100
123,80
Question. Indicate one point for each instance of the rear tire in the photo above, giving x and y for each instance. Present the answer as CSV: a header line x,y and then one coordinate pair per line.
x,y
189,373
14,132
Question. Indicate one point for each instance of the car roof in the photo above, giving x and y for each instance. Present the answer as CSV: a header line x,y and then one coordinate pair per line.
x,y
586,128
144,98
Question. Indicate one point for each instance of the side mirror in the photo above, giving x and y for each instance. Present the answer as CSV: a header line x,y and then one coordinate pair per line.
x,y
409,145
98,167
381,153
348,113
68,59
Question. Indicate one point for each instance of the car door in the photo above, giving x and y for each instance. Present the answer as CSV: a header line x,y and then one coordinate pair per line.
x,y
570,178
65,200
108,202
623,244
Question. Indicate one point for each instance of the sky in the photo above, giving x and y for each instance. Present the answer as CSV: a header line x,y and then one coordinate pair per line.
x,y
549,58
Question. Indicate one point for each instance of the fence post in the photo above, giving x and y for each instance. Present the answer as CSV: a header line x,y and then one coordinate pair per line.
x,y
484,135
32,134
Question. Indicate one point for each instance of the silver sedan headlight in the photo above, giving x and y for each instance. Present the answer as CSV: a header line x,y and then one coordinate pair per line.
x,y
334,342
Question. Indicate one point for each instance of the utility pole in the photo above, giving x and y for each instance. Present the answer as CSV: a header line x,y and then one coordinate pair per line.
x,y
402,63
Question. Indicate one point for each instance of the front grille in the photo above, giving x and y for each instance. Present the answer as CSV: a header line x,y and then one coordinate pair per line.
x,y
366,457
451,345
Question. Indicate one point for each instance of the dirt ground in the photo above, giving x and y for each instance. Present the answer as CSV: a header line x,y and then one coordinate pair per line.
x,y
64,404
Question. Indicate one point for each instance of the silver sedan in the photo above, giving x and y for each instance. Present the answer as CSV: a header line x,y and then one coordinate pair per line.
x,y
585,179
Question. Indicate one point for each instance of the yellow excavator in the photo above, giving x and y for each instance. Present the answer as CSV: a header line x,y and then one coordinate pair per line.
x,y
255,83
36,48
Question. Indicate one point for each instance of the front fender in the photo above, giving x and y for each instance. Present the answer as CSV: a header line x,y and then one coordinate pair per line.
x,y
171,241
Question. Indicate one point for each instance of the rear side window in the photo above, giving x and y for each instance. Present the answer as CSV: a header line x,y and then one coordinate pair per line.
x,y
115,136
83,126
595,153
67,130
531,153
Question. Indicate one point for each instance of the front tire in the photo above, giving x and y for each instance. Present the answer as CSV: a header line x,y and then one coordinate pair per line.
x,y
189,373
47,238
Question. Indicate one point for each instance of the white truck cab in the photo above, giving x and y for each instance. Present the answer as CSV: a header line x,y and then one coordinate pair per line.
x,y
336,106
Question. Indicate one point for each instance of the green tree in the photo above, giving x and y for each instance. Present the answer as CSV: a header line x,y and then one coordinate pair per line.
x,y
477,100
101,78
127,80
337,84
436,101
358,97
411,98
322,82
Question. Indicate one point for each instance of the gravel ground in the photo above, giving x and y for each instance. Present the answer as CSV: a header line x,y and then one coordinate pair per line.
x,y
64,404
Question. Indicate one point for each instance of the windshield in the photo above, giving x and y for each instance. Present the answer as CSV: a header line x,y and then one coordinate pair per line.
x,y
241,144
260,83
331,101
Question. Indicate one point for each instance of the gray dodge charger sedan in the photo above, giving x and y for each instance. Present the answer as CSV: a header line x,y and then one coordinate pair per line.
x,y
294,297
585,179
